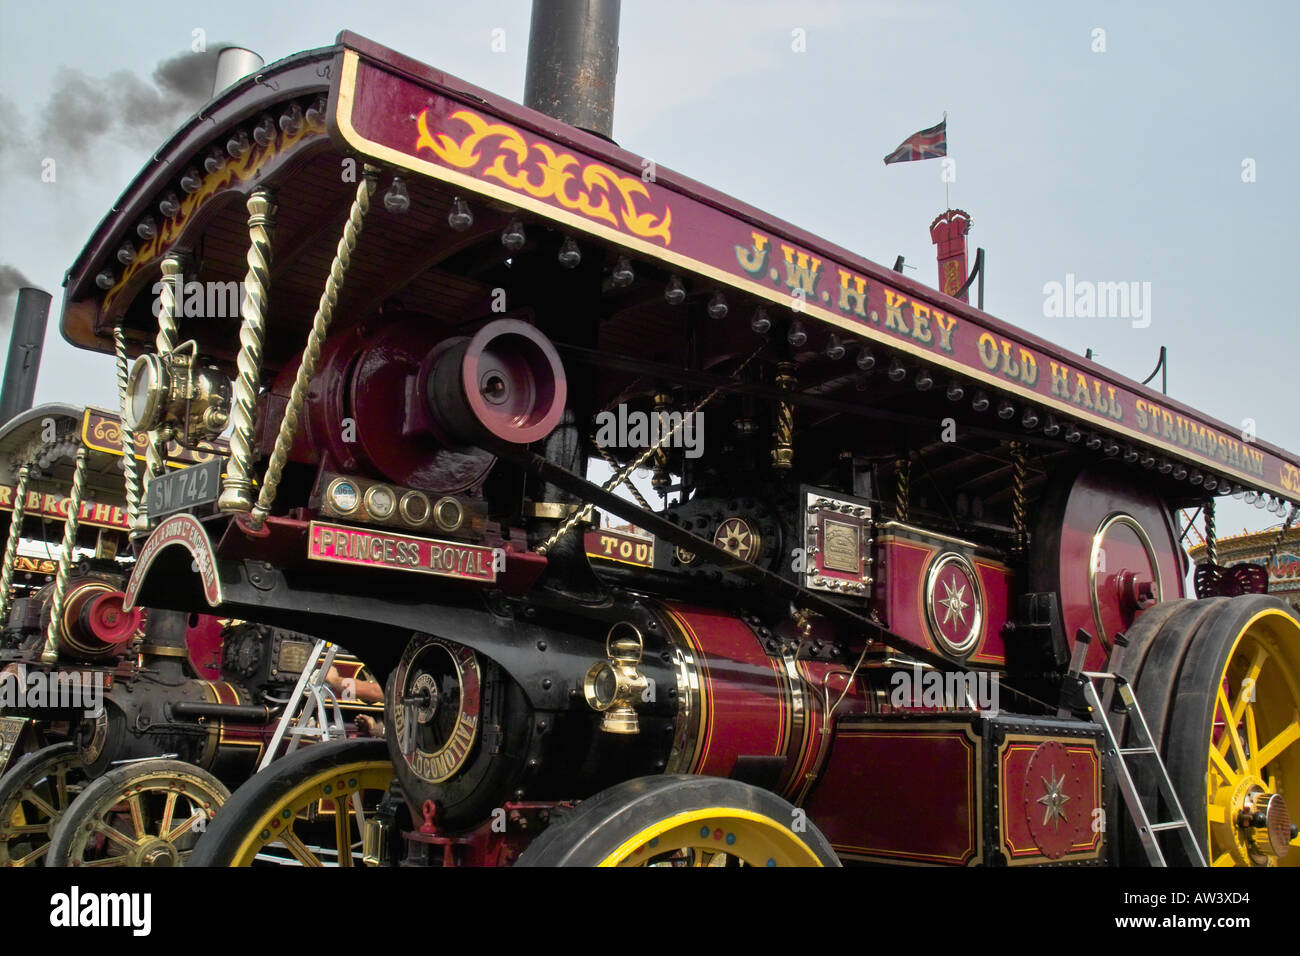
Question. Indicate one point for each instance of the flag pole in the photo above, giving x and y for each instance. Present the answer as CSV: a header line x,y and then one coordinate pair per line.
x,y
947,204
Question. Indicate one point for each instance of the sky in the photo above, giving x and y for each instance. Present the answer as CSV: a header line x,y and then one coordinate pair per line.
x,y
1141,142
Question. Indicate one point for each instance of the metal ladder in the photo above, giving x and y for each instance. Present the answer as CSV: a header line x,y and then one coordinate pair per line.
x,y
1117,757
313,709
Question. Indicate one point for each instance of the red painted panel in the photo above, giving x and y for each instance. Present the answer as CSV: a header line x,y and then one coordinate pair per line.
x,y
868,802
901,578
1081,784
997,580
204,642
821,681
901,568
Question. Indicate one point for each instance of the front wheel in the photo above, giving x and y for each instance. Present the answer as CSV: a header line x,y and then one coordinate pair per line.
x,y
679,820
34,795
142,814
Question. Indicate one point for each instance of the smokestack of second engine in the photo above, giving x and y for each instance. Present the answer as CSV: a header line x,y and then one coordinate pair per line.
x,y
948,233
573,62
24,352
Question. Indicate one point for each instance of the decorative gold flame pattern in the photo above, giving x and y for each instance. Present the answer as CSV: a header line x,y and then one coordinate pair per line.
x,y
232,171
130,481
552,176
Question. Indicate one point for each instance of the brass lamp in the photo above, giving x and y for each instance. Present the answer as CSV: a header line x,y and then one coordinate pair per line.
x,y
612,686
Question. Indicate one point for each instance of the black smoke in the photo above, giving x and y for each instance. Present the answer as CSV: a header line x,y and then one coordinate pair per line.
x,y
11,280
129,108
11,125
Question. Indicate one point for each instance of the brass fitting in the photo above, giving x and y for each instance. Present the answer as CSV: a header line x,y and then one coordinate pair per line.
x,y
612,686
49,653
11,546
783,433
171,390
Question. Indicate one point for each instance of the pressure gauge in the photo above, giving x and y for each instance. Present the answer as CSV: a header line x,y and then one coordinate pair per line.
x,y
342,496
381,502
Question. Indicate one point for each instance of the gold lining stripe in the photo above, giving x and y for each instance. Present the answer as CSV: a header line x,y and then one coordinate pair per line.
x,y
705,739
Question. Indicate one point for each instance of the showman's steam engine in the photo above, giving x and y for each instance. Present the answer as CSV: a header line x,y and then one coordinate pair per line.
x,y
879,576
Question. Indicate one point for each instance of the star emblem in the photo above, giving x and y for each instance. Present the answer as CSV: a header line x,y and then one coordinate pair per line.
x,y
955,603
734,537
1053,800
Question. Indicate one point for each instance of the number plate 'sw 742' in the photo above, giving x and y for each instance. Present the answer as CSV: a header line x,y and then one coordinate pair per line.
x,y
185,488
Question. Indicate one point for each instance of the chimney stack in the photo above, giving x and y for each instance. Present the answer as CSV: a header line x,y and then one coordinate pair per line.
x,y
25,347
948,233
573,62
233,64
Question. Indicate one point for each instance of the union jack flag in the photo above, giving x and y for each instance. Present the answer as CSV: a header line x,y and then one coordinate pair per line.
x,y
928,144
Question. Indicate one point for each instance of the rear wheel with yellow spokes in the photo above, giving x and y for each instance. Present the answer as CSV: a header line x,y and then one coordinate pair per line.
x,y
310,808
1233,748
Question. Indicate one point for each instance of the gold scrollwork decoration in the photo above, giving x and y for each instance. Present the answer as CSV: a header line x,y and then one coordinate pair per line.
x,y
554,176
108,431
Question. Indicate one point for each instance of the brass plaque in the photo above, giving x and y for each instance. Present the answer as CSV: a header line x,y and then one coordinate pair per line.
x,y
293,657
841,546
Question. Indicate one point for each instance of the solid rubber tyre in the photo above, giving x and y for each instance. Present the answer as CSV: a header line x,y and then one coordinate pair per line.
x,y
639,820
1220,651
234,838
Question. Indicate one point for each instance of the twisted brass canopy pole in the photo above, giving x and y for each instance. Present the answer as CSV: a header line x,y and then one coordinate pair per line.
x,y
48,654
662,480
1018,514
311,353
155,459
902,488
237,489
1281,533
135,521
783,433
11,546
613,463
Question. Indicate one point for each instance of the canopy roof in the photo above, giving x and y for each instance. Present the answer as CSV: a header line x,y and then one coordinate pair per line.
x,y
313,119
